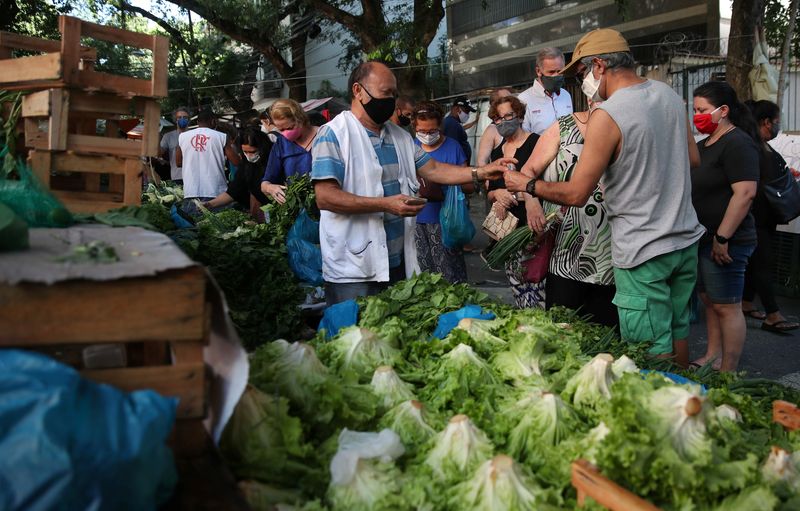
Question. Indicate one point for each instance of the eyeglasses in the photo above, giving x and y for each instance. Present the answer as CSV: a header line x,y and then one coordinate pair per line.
x,y
508,117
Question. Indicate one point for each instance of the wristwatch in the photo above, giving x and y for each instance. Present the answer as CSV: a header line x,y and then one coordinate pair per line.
x,y
531,188
475,182
722,240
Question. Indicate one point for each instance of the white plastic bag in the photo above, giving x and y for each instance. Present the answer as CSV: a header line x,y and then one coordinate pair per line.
x,y
354,446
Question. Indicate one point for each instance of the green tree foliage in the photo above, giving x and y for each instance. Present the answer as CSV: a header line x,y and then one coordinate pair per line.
x,y
776,21
38,18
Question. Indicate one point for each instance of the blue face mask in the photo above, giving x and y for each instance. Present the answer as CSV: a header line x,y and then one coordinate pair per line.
x,y
183,122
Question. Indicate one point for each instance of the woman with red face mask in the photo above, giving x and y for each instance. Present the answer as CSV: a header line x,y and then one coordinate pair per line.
x,y
291,153
723,189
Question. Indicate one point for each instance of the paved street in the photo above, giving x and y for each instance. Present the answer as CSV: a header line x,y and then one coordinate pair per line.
x,y
766,355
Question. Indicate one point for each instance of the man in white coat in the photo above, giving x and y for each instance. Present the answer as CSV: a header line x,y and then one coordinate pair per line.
x,y
365,175
546,100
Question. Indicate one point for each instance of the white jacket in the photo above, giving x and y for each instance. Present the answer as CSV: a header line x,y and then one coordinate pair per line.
x,y
354,246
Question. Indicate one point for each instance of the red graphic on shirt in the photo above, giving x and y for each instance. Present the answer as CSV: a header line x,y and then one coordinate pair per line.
x,y
199,142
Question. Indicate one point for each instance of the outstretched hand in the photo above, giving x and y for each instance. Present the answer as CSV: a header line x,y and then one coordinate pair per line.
x,y
495,169
516,181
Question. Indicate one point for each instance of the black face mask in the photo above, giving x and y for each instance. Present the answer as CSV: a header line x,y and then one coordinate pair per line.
x,y
552,84
403,121
379,110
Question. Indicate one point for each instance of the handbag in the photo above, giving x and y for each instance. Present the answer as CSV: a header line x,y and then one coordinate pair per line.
x,y
537,265
498,229
783,196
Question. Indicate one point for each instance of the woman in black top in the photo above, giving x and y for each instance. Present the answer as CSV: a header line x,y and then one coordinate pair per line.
x,y
507,114
723,188
247,181
757,278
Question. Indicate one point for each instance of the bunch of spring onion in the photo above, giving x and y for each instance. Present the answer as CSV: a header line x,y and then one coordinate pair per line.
x,y
517,241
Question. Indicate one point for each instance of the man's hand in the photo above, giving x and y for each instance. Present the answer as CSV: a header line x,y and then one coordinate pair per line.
x,y
515,181
535,214
277,192
495,169
396,205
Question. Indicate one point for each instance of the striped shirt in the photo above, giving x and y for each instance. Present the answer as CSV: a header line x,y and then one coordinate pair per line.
x,y
329,164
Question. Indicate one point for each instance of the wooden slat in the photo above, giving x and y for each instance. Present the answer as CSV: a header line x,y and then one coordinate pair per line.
x,y
115,35
40,162
34,137
37,104
59,117
590,483
11,40
132,188
170,305
150,139
160,63
786,414
185,381
75,206
30,69
70,29
189,352
71,162
103,145
104,103
123,85
68,196
91,182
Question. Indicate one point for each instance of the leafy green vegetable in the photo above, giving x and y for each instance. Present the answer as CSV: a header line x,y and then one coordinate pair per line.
x,y
263,442
459,378
592,384
390,388
411,421
499,484
356,352
98,252
541,420
458,449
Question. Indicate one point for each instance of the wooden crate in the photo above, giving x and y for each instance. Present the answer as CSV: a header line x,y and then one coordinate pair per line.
x,y
66,63
66,120
163,320
81,192
786,414
589,482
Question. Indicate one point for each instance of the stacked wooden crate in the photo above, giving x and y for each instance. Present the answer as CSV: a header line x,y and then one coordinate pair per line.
x,y
69,97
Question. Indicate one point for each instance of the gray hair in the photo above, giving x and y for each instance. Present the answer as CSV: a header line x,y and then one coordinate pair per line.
x,y
548,53
620,59
181,109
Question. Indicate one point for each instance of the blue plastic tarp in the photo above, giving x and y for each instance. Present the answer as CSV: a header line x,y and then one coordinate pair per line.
x,y
72,444
338,316
449,320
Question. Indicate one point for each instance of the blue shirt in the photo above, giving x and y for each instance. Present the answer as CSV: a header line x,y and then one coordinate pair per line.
x,y
448,152
452,128
286,159
329,164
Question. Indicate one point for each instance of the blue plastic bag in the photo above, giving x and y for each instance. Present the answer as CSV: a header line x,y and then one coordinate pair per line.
x,y
449,320
302,245
338,316
69,443
457,228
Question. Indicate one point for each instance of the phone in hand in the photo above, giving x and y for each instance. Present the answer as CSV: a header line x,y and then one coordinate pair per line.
x,y
416,201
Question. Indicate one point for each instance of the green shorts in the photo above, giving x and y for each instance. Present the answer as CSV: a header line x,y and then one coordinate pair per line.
x,y
653,299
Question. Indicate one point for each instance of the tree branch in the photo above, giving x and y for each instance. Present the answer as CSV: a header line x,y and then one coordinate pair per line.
x,y
351,22
258,41
173,32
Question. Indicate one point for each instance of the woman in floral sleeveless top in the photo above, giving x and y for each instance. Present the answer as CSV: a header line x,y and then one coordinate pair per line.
x,y
581,274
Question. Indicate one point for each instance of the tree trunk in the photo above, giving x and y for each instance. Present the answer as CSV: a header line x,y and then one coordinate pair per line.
x,y
411,81
786,53
297,78
746,19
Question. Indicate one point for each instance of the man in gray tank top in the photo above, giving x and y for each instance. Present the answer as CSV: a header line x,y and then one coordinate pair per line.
x,y
639,142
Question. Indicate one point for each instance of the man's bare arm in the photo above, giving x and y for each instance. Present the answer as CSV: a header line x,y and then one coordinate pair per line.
x,y
447,174
331,197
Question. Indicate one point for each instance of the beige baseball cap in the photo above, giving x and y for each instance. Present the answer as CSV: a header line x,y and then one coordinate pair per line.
x,y
596,42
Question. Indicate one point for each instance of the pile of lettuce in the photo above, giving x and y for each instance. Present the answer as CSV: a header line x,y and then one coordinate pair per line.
x,y
384,417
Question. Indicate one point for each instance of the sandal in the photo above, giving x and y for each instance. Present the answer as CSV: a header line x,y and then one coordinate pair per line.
x,y
755,314
781,327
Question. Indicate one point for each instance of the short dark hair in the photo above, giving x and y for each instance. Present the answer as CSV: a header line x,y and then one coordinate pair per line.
x,y
206,116
360,72
426,110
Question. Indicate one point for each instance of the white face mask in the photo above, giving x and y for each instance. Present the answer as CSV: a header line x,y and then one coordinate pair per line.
x,y
252,158
428,138
591,86
463,116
